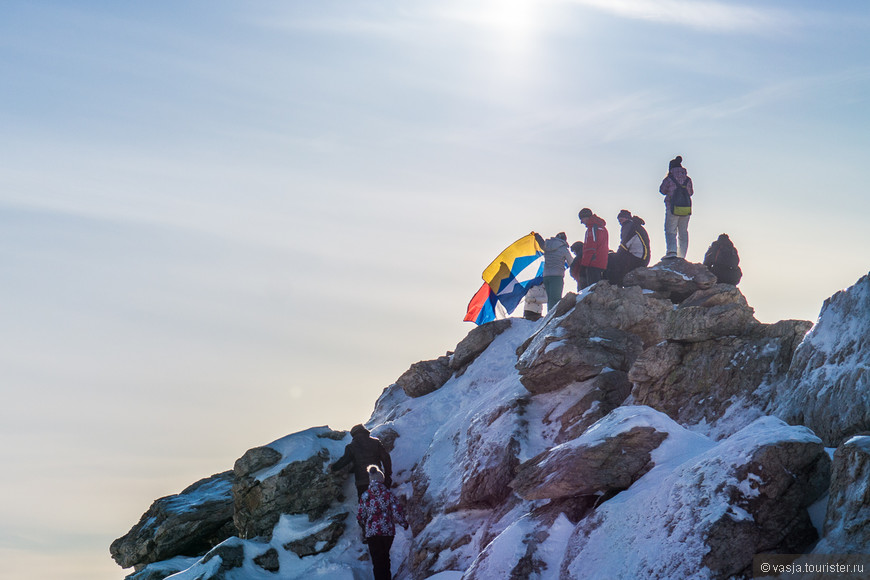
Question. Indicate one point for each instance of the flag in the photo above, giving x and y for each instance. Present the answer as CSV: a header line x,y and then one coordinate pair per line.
x,y
507,279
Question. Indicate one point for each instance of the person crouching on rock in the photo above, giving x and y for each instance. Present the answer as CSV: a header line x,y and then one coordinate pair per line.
x,y
362,451
379,512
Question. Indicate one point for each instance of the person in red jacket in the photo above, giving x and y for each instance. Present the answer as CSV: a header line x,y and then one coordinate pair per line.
x,y
595,247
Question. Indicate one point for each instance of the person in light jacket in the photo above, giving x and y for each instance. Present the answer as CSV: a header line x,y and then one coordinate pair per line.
x,y
534,302
557,257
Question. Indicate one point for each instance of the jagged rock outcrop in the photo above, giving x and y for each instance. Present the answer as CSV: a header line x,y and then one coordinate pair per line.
x,y
846,530
554,361
674,280
828,384
477,341
425,377
714,354
264,488
744,496
625,436
720,310
187,524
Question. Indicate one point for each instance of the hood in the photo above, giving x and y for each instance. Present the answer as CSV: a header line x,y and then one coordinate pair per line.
x,y
554,244
595,220
359,431
679,173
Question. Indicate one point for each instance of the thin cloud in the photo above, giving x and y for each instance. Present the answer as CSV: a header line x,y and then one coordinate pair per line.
x,y
700,15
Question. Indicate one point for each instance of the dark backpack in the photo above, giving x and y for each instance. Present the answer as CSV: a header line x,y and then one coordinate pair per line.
x,y
681,201
726,255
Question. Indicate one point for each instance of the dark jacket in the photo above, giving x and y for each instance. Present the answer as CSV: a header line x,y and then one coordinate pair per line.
x,y
634,239
363,451
723,260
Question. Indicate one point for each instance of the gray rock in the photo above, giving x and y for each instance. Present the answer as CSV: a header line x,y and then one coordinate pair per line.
x,y
186,524
749,494
846,530
601,466
675,280
425,377
255,460
562,359
301,487
697,382
828,384
477,341
268,560
713,313
594,400
323,540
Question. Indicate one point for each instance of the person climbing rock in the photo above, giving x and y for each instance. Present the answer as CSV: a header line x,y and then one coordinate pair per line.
x,y
362,451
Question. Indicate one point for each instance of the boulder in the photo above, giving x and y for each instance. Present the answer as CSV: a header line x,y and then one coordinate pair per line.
x,y
425,377
698,382
268,560
828,383
585,403
675,279
601,467
712,313
557,360
321,540
610,456
187,524
491,459
846,530
627,309
273,488
477,341
713,512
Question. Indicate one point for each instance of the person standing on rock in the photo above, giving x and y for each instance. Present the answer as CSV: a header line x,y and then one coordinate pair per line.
x,y
678,190
362,451
595,246
379,512
557,257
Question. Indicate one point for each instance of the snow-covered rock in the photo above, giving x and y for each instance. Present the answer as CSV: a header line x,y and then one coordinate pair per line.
x,y
609,456
186,524
289,476
846,530
705,516
626,435
828,386
674,280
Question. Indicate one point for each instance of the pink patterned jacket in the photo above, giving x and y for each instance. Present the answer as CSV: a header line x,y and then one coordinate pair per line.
x,y
379,511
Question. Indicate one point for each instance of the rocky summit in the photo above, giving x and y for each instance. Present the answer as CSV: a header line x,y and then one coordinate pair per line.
x,y
655,430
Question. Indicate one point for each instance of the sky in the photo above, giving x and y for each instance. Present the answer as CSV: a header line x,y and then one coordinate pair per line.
x,y
222,222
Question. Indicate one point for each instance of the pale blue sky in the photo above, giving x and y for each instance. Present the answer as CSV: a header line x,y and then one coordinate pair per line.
x,y
222,222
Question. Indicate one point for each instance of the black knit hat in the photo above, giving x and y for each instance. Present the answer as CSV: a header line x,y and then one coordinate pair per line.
x,y
623,213
675,162
585,213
